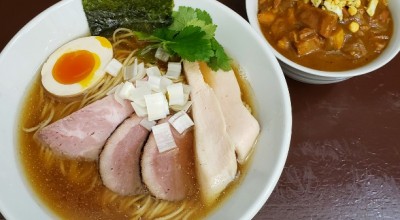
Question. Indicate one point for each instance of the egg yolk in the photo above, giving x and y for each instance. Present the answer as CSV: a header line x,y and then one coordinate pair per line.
x,y
74,67
104,42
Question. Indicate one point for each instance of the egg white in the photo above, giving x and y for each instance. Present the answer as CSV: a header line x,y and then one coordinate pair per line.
x,y
91,44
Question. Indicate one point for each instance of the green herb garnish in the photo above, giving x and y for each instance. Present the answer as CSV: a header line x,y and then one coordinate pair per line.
x,y
190,36
188,33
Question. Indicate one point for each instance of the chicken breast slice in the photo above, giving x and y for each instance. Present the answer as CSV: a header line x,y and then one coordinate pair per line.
x,y
170,175
83,133
241,125
215,159
119,163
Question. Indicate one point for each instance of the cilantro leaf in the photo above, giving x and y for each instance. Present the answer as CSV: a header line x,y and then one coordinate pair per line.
x,y
190,45
203,16
220,60
186,16
209,29
182,17
190,36
165,34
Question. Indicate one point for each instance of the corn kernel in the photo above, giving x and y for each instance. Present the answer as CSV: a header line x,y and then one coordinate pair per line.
x,y
358,3
352,10
354,27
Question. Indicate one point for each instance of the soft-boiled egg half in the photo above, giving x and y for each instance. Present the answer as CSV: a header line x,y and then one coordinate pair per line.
x,y
76,66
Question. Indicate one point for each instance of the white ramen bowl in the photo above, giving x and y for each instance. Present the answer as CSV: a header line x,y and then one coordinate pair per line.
x,y
25,53
312,76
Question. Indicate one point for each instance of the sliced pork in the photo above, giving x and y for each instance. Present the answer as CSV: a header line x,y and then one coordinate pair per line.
x,y
215,159
170,175
83,133
119,162
242,127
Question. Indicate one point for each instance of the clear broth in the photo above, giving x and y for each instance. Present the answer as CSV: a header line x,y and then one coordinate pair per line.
x,y
72,189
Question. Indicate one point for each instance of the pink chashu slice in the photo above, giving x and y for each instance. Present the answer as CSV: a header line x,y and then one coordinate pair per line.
x,y
83,134
170,175
119,162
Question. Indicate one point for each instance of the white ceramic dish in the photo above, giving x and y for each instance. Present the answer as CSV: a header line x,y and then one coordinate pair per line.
x,y
308,75
25,53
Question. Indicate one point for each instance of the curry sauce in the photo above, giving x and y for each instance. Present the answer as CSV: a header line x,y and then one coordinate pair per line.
x,y
329,35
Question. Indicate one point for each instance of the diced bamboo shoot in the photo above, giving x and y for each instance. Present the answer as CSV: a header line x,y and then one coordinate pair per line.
x,y
372,7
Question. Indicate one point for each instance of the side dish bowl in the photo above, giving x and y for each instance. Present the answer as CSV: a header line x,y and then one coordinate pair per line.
x,y
23,56
313,76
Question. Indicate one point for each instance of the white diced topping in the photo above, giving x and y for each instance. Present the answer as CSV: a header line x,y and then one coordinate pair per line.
x,y
159,83
186,103
186,97
128,72
135,67
187,106
139,110
184,108
175,116
174,70
165,82
176,108
162,55
153,71
181,122
141,102
147,124
175,94
131,71
157,106
163,137
137,94
142,83
155,83
112,91
116,94
126,90
113,67
140,72
166,106
186,88
148,96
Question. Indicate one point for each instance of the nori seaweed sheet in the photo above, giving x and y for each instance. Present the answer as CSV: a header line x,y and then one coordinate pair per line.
x,y
105,16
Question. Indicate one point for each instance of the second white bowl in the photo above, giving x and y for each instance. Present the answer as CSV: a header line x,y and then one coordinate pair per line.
x,y
313,76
